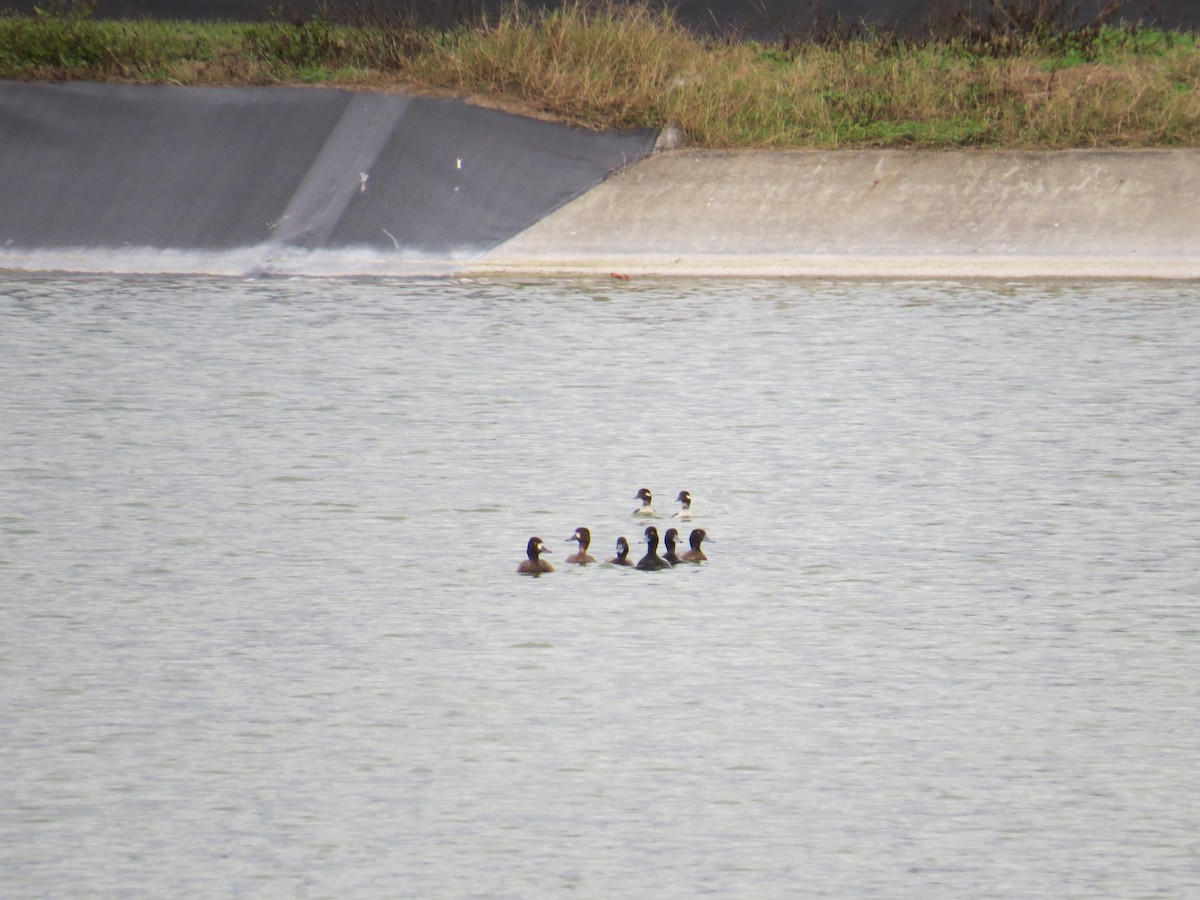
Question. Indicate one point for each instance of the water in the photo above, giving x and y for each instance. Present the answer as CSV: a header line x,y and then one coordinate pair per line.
x,y
261,632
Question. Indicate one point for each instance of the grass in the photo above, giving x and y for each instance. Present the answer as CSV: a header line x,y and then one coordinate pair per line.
x,y
611,66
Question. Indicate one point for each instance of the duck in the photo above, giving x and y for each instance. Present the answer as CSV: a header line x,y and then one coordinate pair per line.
x,y
582,558
533,565
697,536
685,514
669,541
645,509
652,560
622,557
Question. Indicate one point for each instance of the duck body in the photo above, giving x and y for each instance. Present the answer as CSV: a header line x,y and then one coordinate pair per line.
x,y
533,564
652,561
645,509
581,557
622,557
669,540
684,514
695,539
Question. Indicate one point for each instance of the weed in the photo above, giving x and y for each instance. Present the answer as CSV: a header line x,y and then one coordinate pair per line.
x,y
995,73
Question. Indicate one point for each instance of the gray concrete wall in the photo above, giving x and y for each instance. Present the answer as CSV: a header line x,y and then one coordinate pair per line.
x,y
121,178
878,213
235,180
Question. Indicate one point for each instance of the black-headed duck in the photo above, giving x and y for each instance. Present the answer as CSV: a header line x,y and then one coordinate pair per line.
x,y
652,560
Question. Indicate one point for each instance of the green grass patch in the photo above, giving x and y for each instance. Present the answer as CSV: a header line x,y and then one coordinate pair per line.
x,y
608,66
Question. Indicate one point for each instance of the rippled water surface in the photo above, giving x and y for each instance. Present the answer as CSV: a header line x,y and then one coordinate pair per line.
x,y
261,632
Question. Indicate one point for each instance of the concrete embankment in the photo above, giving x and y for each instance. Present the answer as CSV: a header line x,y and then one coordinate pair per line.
x,y
123,178
878,214
153,178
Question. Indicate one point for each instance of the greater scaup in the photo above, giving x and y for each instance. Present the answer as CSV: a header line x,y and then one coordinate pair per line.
x,y
533,565
584,537
622,557
695,554
669,540
652,560
645,509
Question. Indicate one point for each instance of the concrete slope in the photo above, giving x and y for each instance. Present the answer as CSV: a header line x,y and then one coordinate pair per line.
x,y
125,178
144,178
878,213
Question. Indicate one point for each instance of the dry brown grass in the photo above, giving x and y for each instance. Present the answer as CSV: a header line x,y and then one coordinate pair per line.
x,y
607,66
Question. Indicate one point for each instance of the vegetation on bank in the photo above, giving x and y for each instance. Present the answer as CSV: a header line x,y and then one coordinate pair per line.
x,y
1004,83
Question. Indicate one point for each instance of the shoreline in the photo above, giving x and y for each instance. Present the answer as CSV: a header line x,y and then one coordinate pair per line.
x,y
275,181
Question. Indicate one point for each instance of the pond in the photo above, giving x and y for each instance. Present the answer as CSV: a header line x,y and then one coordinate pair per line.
x,y
261,630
